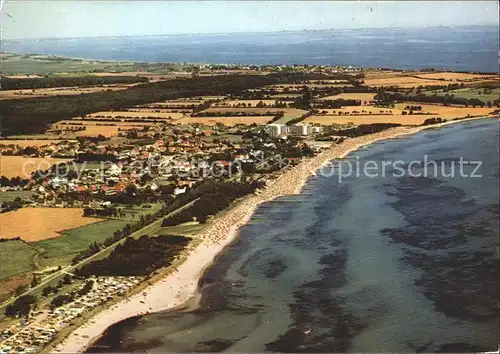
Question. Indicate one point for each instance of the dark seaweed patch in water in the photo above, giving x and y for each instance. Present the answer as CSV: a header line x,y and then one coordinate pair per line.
x,y
263,261
462,284
273,268
214,345
291,239
111,340
319,323
461,348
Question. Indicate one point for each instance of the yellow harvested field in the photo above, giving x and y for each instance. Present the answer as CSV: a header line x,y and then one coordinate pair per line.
x,y
101,122
36,224
63,91
177,105
235,110
161,109
414,79
367,119
362,110
363,97
28,76
92,129
124,73
225,120
19,166
95,130
300,87
285,95
184,101
329,82
449,112
367,115
206,98
252,103
450,76
173,105
401,81
371,74
29,142
137,114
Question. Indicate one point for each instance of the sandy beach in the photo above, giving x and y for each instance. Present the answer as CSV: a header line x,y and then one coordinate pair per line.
x,y
181,285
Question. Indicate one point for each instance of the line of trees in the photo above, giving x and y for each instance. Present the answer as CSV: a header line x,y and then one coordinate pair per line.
x,y
213,202
137,257
338,103
299,119
385,98
11,205
233,114
13,181
364,129
102,212
435,120
81,81
90,156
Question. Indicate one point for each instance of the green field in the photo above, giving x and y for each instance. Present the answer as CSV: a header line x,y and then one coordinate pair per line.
x,y
61,250
490,95
16,257
186,229
44,64
133,213
47,136
11,195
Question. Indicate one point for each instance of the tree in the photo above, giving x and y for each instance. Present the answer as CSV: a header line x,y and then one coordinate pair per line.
x,y
30,150
61,300
131,190
35,281
146,178
67,279
21,307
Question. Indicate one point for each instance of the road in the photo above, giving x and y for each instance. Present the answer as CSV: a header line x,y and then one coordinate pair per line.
x,y
70,268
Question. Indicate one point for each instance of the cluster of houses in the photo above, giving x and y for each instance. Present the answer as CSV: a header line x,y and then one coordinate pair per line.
x,y
29,335
175,154
62,148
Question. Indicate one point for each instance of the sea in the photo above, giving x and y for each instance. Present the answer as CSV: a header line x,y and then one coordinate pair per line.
x,y
474,48
363,262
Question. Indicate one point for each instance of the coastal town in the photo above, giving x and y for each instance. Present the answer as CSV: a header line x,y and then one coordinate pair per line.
x,y
175,177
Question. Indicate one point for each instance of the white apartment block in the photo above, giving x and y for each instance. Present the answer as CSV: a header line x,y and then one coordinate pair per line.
x,y
299,129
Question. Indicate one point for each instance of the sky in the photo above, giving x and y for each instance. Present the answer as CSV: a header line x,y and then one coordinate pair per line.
x,y
99,18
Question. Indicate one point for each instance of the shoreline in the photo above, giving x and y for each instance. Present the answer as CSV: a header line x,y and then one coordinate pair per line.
x,y
180,286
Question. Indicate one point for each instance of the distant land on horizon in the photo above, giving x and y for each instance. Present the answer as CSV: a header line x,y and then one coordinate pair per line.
x,y
470,48
395,28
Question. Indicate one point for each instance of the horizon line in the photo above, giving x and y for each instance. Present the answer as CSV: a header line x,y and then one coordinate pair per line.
x,y
253,32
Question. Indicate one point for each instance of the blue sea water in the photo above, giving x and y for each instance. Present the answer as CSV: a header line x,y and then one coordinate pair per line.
x,y
368,264
458,48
